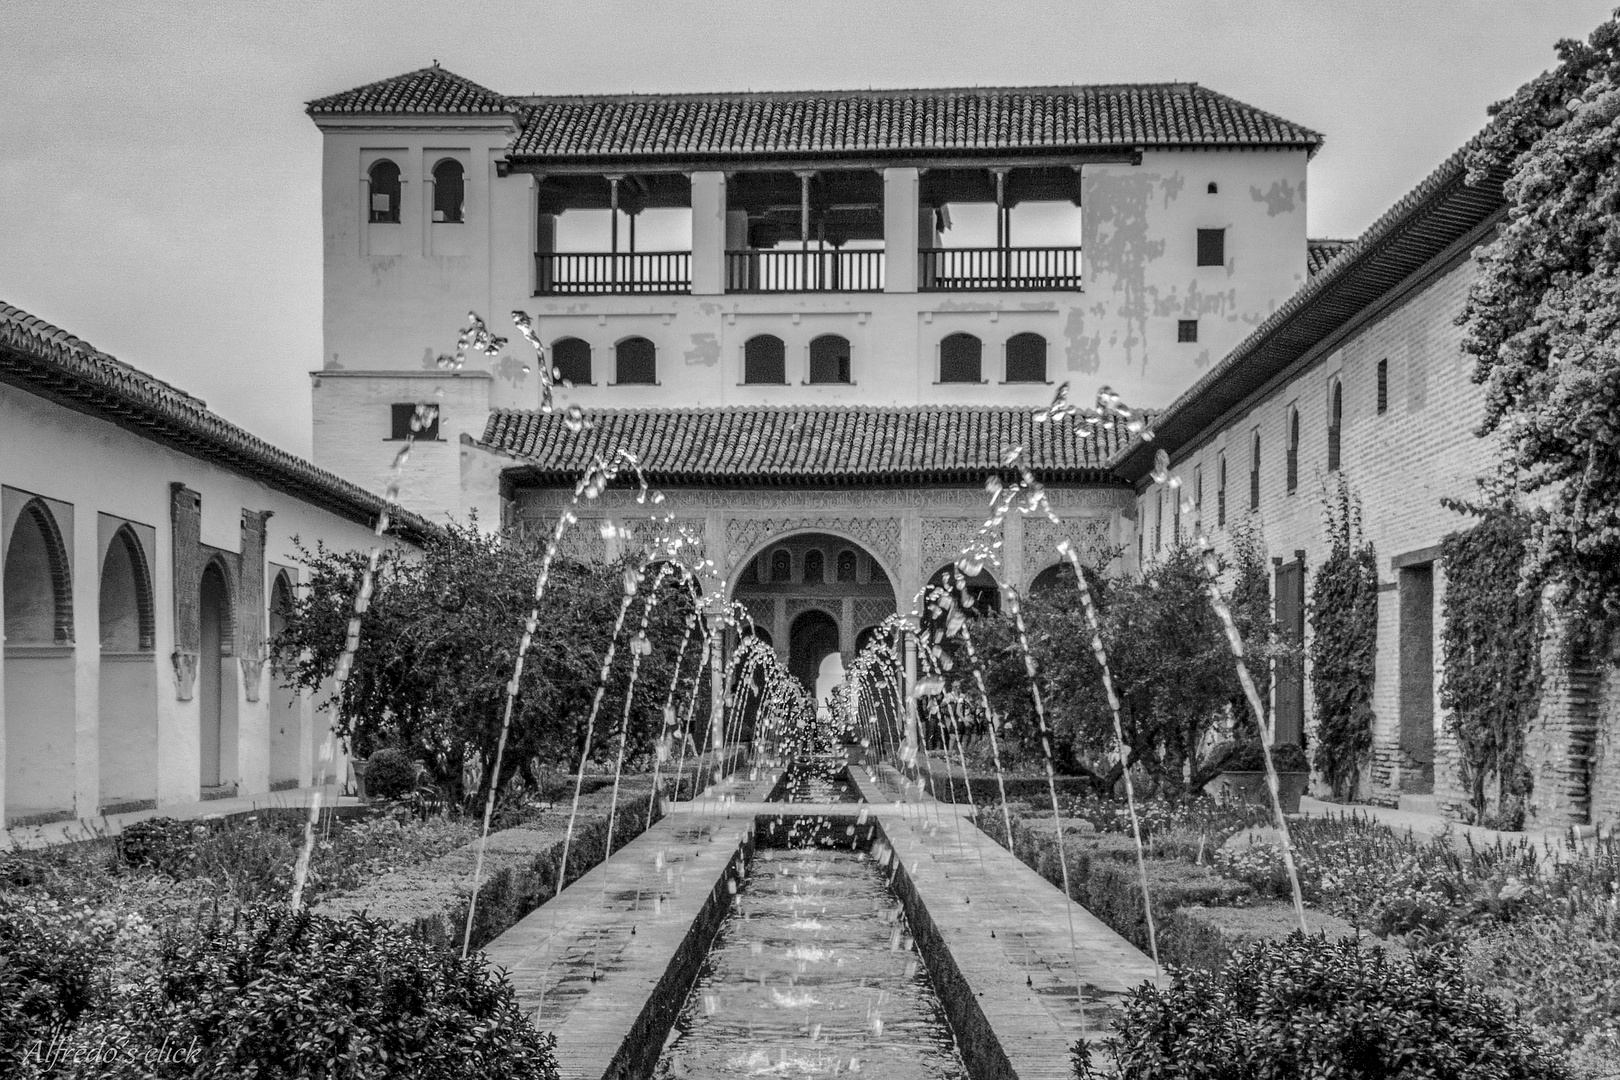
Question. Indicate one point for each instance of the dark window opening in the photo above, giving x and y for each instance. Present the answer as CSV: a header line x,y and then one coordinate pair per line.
x,y
829,359
1211,247
1383,387
384,192
636,361
571,361
846,566
1213,188
1026,358
1254,476
782,566
1158,521
960,359
1220,493
411,420
815,568
1335,426
1293,450
449,192
765,360
1186,330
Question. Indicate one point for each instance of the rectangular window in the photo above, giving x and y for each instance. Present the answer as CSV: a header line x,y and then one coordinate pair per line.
x,y
403,415
1186,329
1158,521
1211,247
1254,476
1220,493
1383,387
1175,518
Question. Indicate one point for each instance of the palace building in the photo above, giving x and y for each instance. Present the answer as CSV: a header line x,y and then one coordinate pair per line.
x,y
819,319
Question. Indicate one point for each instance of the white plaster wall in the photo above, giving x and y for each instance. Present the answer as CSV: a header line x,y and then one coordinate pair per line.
x,y
97,467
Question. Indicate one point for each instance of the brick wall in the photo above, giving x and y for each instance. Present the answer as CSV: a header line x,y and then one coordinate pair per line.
x,y
1399,464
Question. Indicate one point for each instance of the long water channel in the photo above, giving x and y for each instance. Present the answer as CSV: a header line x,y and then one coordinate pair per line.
x,y
813,973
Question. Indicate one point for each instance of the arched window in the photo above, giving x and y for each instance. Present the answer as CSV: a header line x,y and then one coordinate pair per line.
x,y
1026,358
1293,450
127,623
636,360
815,567
960,359
765,360
282,606
571,360
1335,424
846,566
782,565
39,591
384,191
829,359
1254,473
449,192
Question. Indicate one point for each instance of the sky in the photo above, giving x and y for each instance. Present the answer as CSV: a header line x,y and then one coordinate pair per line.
x,y
159,181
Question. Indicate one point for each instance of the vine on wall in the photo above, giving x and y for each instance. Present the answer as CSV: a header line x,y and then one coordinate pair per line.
x,y
1344,642
1491,682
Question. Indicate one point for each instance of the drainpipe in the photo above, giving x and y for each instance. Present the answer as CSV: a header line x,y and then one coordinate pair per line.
x,y
613,213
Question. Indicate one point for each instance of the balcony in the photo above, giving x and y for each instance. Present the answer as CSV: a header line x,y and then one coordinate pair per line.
x,y
998,268
574,273
819,270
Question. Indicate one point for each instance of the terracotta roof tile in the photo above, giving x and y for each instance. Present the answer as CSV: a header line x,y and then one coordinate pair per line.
x,y
51,362
1318,253
887,121
430,90
804,445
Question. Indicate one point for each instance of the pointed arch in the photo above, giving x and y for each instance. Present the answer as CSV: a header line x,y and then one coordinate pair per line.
x,y
38,580
127,609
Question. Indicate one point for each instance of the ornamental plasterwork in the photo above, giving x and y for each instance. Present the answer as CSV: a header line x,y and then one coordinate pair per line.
x,y
762,609
871,610
798,605
583,542
539,502
1041,541
943,540
880,535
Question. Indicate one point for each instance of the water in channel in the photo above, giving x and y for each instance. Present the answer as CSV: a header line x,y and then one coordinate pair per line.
x,y
814,972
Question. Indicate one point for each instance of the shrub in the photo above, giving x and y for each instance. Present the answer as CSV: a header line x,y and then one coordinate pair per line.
x,y
390,774
1307,1007
1562,974
1247,756
46,976
274,993
163,844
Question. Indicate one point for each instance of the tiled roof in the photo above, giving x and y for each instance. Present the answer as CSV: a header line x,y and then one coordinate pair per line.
x,y
889,121
45,360
1441,216
795,445
430,90
1318,253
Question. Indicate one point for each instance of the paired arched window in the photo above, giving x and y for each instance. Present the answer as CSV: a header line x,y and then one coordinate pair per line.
x,y
635,361
571,361
1335,424
829,359
782,565
449,192
765,360
846,566
1026,358
1293,450
815,567
961,359
384,191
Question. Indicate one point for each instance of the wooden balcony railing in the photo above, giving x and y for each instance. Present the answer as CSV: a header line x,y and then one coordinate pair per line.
x,y
575,272
952,269
825,270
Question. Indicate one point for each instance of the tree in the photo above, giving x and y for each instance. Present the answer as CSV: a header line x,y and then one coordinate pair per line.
x,y
1543,318
440,638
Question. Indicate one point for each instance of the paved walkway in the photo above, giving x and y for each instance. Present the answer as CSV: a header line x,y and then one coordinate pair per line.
x,y
1007,932
1552,842
606,965
31,837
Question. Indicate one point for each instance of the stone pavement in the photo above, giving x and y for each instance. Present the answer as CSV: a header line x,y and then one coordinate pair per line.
x,y
606,965
1018,988
30,837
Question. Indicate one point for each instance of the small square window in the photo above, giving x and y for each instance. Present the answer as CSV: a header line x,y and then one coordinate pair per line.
x,y
404,413
1186,329
1211,247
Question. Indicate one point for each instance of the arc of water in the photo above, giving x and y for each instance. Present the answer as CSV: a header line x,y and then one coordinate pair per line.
x,y
423,415
989,712
667,718
639,646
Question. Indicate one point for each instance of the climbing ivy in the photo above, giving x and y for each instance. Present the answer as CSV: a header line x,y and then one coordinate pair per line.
x,y
1492,652
1344,641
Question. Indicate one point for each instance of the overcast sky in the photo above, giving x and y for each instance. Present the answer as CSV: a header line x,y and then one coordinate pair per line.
x,y
159,182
